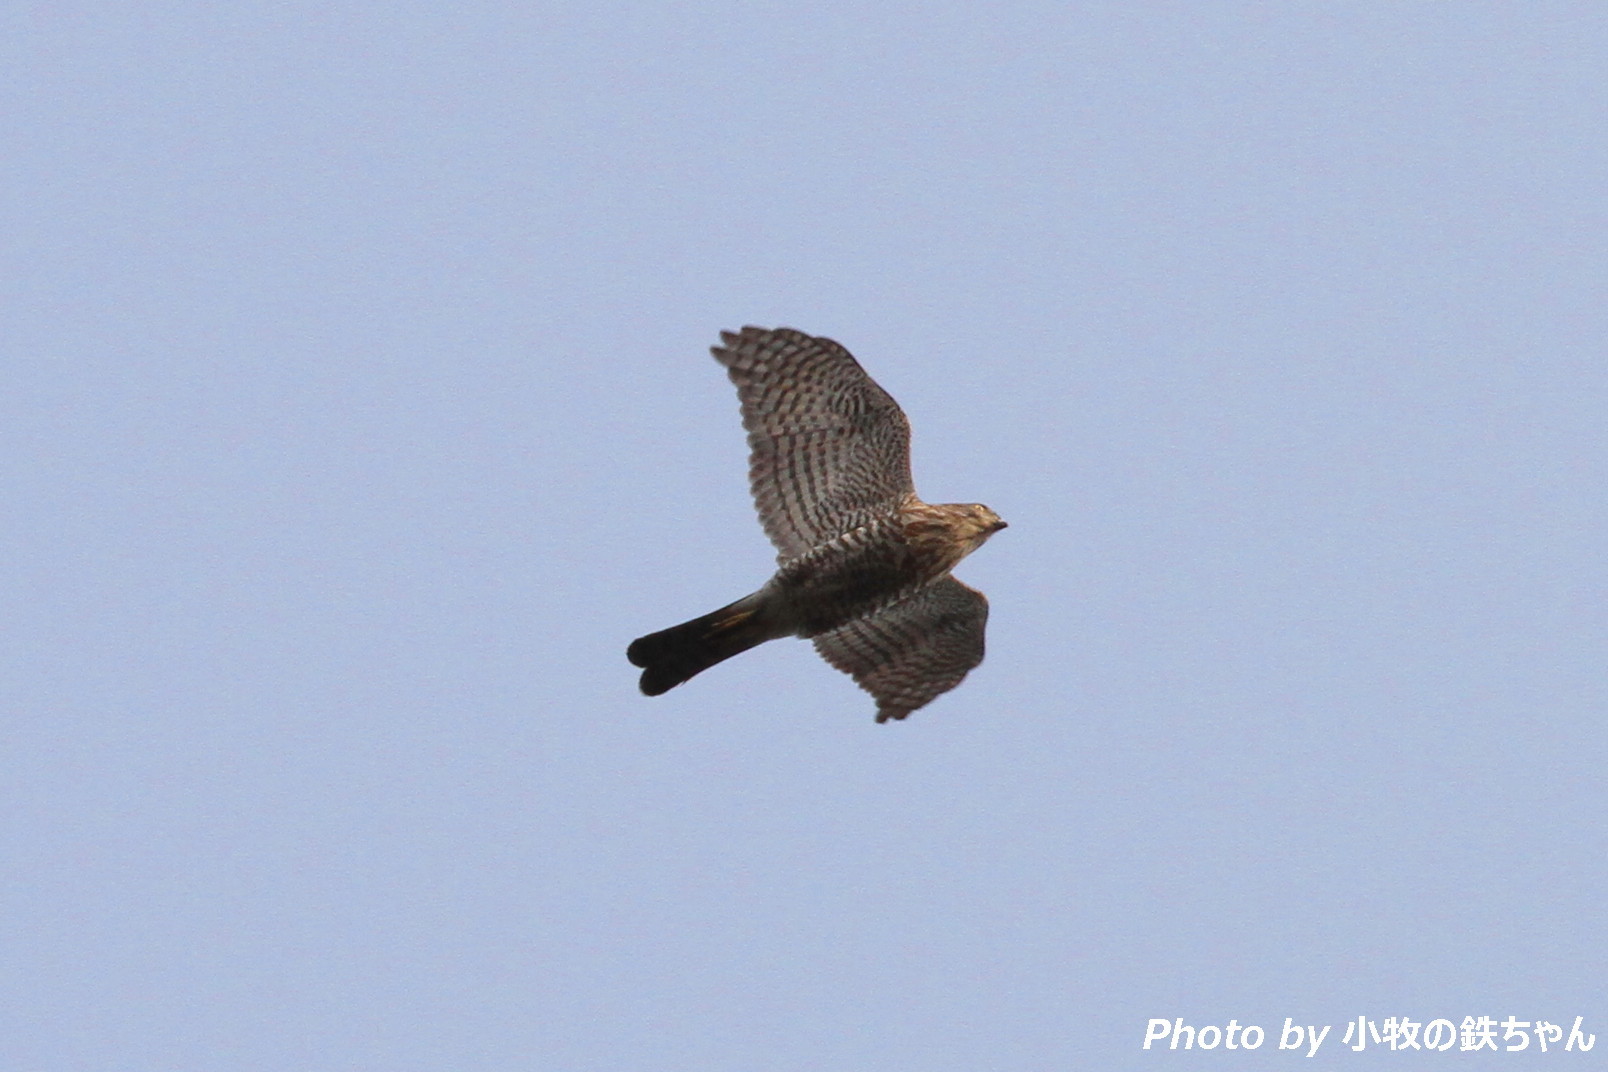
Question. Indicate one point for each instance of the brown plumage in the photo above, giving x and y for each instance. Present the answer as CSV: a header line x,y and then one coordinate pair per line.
x,y
863,564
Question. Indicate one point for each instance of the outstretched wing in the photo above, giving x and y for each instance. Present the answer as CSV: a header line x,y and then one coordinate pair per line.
x,y
830,450
914,651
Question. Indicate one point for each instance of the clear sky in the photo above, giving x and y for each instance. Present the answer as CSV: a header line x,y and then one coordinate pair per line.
x,y
358,411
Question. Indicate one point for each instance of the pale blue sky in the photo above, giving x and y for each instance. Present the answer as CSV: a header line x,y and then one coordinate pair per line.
x,y
359,412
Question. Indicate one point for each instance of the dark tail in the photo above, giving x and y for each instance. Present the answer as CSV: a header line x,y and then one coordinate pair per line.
x,y
673,655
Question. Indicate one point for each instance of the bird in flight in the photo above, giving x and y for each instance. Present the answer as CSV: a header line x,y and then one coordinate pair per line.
x,y
863,564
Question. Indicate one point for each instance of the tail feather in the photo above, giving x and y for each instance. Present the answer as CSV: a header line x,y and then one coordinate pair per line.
x,y
674,655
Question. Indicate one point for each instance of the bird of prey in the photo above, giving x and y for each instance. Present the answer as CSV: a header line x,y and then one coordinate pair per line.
x,y
863,564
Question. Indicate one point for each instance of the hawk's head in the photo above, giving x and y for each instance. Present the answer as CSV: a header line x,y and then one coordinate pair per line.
x,y
978,523
942,534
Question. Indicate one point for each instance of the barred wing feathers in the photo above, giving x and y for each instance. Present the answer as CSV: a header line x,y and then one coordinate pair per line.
x,y
829,449
914,651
